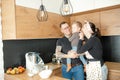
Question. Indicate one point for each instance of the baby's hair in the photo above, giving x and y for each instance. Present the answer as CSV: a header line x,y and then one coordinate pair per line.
x,y
78,23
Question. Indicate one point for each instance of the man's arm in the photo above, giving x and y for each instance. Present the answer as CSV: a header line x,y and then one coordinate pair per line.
x,y
58,52
62,55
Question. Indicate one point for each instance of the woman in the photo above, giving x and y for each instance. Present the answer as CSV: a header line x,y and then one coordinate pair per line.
x,y
95,69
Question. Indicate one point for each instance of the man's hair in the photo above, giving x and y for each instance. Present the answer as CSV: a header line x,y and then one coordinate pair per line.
x,y
78,23
62,23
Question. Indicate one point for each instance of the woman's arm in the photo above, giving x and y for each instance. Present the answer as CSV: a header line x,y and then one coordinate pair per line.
x,y
87,46
81,54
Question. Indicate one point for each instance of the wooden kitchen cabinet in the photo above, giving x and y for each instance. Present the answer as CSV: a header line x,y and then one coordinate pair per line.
x,y
113,70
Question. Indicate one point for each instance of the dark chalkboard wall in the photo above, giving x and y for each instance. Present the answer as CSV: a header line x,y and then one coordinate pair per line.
x,y
111,48
14,50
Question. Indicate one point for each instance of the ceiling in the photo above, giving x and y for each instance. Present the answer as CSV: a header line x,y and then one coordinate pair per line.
x,y
78,5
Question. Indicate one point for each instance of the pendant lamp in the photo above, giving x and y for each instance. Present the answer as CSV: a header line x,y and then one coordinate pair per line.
x,y
66,8
42,13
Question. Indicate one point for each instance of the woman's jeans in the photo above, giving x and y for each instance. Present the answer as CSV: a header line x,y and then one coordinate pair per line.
x,y
75,73
104,72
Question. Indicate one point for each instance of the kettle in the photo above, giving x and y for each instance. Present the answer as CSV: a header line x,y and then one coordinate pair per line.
x,y
34,62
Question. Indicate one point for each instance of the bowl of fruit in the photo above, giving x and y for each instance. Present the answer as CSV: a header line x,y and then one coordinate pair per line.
x,y
15,70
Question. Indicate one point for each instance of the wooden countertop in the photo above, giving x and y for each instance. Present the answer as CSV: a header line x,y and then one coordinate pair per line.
x,y
24,76
113,66
113,70
53,66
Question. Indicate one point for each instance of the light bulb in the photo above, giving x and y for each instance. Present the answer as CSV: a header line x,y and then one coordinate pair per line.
x,y
42,13
66,8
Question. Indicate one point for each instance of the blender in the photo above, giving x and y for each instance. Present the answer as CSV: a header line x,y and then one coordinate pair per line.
x,y
34,63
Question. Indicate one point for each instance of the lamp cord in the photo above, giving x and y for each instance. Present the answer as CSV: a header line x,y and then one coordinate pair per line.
x,y
41,1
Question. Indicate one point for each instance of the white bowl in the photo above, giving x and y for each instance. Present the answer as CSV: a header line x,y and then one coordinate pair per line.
x,y
45,73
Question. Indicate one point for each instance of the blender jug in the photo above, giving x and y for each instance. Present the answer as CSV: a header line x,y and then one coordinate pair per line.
x,y
34,62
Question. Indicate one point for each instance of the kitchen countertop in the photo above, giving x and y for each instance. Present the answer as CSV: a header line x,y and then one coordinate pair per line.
x,y
24,76
53,66
113,66
113,70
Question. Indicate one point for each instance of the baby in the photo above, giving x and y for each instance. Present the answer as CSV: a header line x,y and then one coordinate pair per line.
x,y
74,39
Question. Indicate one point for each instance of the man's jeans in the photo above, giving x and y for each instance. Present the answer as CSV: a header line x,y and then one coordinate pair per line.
x,y
75,73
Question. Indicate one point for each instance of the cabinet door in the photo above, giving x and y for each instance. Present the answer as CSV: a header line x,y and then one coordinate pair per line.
x,y
8,19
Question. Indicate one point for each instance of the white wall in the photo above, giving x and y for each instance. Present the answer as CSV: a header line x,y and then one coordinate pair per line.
x,y
78,5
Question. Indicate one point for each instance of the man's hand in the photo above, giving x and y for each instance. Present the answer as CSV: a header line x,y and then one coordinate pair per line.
x,y
72,54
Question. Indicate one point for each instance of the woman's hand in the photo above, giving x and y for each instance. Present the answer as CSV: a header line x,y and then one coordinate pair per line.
x,y
81,35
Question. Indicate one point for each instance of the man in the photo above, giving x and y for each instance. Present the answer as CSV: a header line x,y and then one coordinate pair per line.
x,y
63,48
